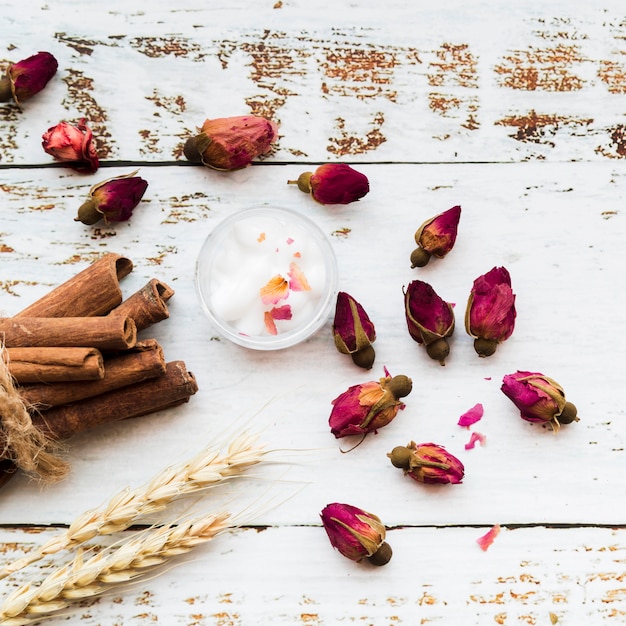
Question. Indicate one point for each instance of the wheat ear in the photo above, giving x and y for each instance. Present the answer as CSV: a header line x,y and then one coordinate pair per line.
x,y
206,469
81,578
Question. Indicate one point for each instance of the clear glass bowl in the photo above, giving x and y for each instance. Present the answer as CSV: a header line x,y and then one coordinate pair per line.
x,y
267,278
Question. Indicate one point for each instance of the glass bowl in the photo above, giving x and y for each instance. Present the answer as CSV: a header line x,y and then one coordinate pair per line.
x,y
267,278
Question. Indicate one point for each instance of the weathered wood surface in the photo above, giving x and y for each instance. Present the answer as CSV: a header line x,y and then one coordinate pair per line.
x,y
436,107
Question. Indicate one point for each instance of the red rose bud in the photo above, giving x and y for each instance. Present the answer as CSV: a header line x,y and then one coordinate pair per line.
x,y
539,399
26,78
430,320
367,407
333,183
353,331
357,534
436,236
428,463
230,143
113,199
490,313
72,144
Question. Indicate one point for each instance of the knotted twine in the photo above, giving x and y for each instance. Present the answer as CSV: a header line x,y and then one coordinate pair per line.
x,y
20,441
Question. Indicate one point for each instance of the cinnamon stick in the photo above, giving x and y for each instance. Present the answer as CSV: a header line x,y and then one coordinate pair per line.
x,y
146,306
175,386
35,365
104,333
120,370
93,291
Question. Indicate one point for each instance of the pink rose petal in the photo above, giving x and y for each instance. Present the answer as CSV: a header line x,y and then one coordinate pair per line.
x,y
297,279
474,438
281,312
270,325
488,538
472,416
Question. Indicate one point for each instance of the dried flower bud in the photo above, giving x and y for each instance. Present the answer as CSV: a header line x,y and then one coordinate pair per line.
x,y
357,534
430,320
427,463
72,144
333,183
230,143
436,236
367,407
26,78
353,331
490,314
539,399
113,199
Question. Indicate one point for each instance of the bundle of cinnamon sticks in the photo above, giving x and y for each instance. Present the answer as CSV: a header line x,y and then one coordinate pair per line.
x,y
76,360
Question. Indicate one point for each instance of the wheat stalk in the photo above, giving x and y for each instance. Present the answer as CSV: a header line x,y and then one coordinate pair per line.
x,y
80,579
206,469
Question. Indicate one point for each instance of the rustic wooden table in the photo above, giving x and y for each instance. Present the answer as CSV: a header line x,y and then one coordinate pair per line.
x,y
515,111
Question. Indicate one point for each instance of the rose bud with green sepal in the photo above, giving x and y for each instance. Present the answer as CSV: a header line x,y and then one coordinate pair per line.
x,y
427,463
28,77
436,236
369,406
333,183
112,200
490,314
539,399
353,331
430,319
355,533
231,143
72,144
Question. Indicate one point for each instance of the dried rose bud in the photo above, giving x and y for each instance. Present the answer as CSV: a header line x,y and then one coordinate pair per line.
x,y
230,143
353,331
72,144
26,78
436,236
367,407
490,313
430,319
357,534
333,183
539,399
427,463
112,200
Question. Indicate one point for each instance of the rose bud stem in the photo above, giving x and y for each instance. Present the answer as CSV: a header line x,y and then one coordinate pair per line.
x,y
303,182
485,347
382,556
364,358
569,414
400,457
419,257
5,89
88,213
195,146
438,350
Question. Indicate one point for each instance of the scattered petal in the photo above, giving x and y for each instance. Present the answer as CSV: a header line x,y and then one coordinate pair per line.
x,y
298,281
281,312
261,237
276,289
474,438
270,325
298,255
290,240
472,416
488,538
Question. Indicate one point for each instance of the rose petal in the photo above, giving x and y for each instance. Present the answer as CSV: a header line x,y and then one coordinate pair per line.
x,y
472,416
297,279
488,538
277,288
270,326
474,438
281,312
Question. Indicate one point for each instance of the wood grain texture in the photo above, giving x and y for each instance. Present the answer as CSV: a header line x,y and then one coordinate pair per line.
x,y
514,112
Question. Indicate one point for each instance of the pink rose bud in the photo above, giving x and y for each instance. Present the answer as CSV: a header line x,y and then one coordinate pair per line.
x,y
430,320
113,199
427,463
357,534
539,399
333,183
353,331
367,407
26,78
436,236
72,144
490,313
230,143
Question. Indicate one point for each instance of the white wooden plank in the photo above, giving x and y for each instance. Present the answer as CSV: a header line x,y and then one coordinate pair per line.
x,y
559,230
436,576
463,82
